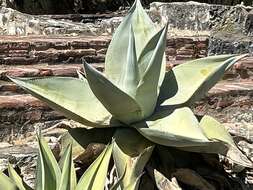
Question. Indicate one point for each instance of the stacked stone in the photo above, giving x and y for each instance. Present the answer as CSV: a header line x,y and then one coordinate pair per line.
x,y
37,50
186,48
40,57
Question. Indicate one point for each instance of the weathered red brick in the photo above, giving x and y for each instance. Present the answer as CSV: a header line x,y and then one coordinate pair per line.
x,y
98,43
4,46
60,45
19,45
19,72
69,71
17,53
201,45
45,72
171,51
41,45
19,60
20,102
8,87
170,42
79,44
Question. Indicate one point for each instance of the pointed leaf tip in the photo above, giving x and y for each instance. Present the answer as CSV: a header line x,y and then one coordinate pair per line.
x,y
143,29
129,77
70,96
122,106
152,70
95,176
188,82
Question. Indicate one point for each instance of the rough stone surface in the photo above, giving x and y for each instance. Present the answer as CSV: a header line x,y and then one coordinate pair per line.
x,y
15,23
189,19
84,6
232,33
185,18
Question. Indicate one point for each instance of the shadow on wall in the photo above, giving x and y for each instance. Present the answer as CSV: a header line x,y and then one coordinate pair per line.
x,y
89,6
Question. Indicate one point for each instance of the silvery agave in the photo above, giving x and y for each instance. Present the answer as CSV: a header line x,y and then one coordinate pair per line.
x,y
137,103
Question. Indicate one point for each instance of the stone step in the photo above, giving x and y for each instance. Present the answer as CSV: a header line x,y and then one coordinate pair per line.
x,y
51,50
229,102
34,50
42,70
243,69
225,95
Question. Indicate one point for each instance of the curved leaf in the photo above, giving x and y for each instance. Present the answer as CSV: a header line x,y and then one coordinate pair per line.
x,y
116,55
131,152
68,176
70,96
95,176
80,138
6,183
215,131
188,82
117,102
220,142
17,179
48,173
152,60
180,128
129,77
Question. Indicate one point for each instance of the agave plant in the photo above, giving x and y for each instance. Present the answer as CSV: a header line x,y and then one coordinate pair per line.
x,y
51,175
137,103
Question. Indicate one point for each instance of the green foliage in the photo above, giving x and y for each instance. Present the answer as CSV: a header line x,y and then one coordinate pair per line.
x,y
137,102
62,176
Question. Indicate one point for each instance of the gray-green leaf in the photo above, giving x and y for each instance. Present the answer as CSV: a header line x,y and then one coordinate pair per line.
x,y
116,55
179,128
72,97
131,152
188,82
95,176
48,173
118,103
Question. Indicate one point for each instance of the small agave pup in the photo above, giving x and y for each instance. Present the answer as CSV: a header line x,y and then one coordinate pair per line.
x,y
137,103
51,175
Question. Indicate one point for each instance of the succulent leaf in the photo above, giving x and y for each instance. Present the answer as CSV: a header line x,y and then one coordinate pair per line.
x,y
70,96
17,179
81,138
180,128
153,69
118,103
215,131
116,185
188,82
68,175
6,183
116,55
48,172
94,177
130,77
131,152
220,142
